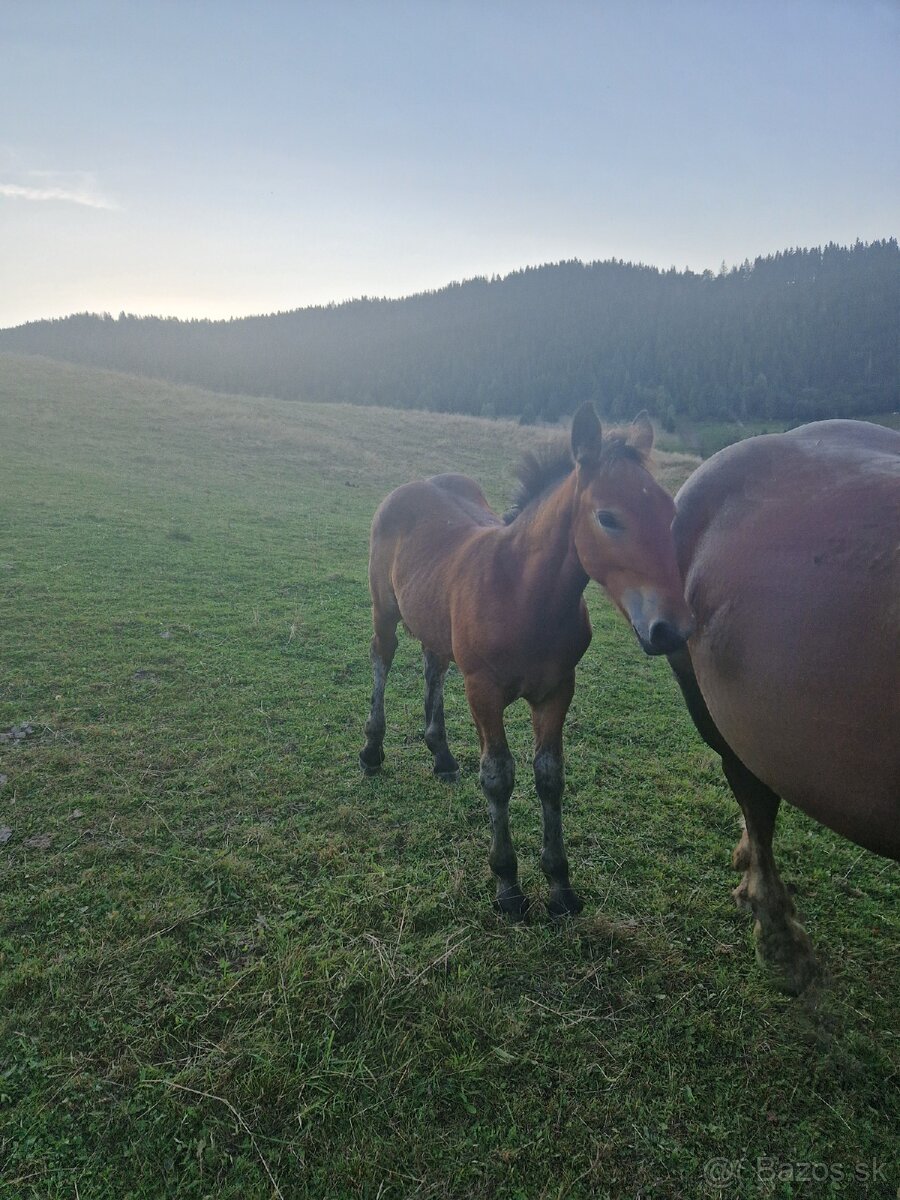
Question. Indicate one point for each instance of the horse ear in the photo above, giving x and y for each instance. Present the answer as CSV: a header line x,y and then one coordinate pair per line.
x,y
587,436
641,433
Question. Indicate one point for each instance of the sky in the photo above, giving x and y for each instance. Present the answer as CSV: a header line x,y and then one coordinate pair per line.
x,y
215,159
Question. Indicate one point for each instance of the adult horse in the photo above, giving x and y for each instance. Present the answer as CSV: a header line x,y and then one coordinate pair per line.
x,y
504,601
790,549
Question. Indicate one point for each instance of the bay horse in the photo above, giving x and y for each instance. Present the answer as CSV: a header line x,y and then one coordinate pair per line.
x,y
504,601
789,545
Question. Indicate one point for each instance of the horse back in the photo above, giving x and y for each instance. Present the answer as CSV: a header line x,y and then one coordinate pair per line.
x,y
422,540
467,496
449,501
782,474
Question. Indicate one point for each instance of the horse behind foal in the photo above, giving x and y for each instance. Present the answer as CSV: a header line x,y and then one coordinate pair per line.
x,y
505,602
789,548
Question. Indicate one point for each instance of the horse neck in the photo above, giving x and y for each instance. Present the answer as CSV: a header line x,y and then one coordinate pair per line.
x,y
544,546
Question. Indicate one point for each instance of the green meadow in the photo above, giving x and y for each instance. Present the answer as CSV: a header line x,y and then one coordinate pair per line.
x,y
233,967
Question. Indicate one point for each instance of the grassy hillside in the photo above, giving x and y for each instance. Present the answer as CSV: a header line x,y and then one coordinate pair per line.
x,y
230,966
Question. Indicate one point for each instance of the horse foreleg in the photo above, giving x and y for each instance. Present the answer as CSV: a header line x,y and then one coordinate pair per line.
x,y
683,669
445,765
547,719
382,650
740,857
497,777
782,943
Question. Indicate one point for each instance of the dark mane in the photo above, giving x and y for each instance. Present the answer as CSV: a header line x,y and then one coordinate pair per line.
x,y
540,469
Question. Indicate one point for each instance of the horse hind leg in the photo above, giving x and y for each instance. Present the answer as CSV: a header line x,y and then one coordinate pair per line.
x,y
446,767
382,650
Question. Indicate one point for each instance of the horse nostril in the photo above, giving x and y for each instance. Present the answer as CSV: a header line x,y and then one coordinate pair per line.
x,y
665,638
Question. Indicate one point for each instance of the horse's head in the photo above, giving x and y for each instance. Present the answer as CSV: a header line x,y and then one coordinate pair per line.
x,y
623,530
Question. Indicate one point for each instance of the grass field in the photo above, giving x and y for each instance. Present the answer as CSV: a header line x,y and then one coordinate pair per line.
x,y
704,438
233,967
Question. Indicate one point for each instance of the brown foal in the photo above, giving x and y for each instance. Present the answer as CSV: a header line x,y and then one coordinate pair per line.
x,y
504,601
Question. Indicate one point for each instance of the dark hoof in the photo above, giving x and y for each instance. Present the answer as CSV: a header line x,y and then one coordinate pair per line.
x,y
512,902
370,763
803,977
564,902
788,956
446,768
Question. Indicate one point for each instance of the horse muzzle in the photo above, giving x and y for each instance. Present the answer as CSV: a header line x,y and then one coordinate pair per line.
x,y
657,631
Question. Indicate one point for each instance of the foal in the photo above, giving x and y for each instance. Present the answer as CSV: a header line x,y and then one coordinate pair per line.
x,y
505,602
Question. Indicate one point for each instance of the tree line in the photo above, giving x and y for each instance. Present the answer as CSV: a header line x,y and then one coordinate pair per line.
x,y
801,334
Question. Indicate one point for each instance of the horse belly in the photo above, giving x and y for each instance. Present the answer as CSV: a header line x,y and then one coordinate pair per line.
x,y
798,659
423,600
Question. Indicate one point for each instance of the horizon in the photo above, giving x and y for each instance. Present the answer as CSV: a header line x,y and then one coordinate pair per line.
x,y
200,162
724,267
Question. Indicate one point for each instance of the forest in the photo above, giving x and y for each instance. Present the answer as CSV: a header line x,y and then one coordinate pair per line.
x,y
801,334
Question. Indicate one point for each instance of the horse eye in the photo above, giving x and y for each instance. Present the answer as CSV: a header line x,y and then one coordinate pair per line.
x,y
609,521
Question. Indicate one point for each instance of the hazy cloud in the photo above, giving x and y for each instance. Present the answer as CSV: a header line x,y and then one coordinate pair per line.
x,y
83,193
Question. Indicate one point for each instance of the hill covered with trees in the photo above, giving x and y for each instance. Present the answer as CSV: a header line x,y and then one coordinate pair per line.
x,y
801,334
